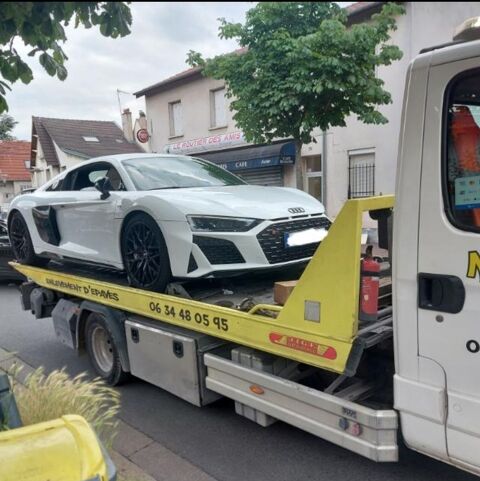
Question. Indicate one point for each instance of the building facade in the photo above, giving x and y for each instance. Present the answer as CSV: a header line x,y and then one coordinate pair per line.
x,y
190,114
14,174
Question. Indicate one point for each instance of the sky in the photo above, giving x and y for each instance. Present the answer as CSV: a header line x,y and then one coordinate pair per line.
x,y
161,36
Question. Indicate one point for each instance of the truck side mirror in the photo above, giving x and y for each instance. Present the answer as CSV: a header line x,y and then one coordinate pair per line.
x,y
104,186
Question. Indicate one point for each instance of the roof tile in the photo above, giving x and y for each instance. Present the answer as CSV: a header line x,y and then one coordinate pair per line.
x,y
13,155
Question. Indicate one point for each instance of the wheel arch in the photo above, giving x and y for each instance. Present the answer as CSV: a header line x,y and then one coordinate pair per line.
x,y
115,320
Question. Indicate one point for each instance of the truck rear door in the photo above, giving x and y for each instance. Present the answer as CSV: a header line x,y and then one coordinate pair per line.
x,y
449,249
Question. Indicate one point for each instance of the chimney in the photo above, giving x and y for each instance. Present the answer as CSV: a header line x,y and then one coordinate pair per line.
x,y
142,120
127,125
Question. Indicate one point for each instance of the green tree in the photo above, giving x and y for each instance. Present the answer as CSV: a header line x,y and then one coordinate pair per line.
x,y
301,67
7,124
40,26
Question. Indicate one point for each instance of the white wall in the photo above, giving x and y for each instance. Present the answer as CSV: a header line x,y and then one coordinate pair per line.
x,y
44,172
39,175
195,98
424,24
67,160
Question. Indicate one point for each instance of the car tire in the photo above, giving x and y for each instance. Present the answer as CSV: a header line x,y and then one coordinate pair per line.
x,y
145,254
103,351
21,242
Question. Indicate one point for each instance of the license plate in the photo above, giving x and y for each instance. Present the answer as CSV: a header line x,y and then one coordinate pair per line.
x,y
304,237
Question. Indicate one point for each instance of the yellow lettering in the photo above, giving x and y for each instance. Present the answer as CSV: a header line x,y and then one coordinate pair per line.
x,y
473,264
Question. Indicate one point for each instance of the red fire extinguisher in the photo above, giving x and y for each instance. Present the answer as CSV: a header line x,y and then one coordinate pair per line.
x,y
369,286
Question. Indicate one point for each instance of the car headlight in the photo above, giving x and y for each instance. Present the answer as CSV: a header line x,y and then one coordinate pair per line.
x,y
221,224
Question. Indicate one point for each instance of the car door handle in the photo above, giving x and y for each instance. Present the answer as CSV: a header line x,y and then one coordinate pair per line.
x,y
439,292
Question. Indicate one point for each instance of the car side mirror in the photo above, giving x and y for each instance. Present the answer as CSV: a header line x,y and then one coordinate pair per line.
x,y
104,186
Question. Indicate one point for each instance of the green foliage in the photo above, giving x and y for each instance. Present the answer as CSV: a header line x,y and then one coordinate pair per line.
x,y
302,67
40,25
7,124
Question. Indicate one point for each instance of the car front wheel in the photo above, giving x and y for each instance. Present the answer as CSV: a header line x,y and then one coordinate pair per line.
x,y
145,255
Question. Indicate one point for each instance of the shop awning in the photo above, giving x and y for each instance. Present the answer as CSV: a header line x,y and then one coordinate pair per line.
x,y
255,157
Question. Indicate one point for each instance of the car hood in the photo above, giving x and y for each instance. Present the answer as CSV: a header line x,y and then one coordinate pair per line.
x,y
241,201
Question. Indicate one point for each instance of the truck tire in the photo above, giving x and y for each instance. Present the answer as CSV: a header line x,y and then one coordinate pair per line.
x,y
102,350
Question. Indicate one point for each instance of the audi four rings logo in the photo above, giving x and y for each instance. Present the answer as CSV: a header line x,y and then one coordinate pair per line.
x,y
296,210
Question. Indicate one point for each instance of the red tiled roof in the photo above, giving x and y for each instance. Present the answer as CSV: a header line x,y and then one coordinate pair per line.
x,y
13,155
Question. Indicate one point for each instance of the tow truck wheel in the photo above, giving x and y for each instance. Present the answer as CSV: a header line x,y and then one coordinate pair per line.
x,y
102,350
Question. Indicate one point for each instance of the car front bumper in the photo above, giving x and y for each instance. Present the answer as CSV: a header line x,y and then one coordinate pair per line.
x,y
224,253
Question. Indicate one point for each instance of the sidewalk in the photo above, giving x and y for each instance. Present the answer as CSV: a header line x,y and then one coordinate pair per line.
x,y
136,456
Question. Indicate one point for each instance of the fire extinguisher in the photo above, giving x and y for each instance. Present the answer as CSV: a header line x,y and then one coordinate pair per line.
x,y
369,286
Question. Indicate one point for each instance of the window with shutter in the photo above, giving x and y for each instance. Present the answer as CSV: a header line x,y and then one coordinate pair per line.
x,y
176,119
218,108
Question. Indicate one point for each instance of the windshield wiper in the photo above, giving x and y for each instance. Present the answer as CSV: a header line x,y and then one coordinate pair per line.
x,y
173,187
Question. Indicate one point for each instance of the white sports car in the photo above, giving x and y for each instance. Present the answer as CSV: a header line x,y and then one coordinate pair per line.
x,y
163,216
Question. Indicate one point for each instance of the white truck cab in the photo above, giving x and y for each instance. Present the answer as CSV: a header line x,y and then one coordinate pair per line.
x,y
436,255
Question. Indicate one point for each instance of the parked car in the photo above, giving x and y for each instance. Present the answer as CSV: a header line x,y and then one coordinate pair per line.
x,y
163,216
6,255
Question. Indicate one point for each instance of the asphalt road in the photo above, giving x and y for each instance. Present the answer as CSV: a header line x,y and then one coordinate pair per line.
x,y
214,438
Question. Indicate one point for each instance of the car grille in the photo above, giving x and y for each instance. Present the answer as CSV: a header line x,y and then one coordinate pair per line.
x,y
219,251
272,241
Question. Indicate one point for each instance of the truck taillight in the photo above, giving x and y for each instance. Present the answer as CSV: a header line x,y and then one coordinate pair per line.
x,y
350,427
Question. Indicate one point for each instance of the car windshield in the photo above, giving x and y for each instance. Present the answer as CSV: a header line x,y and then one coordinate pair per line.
x,y
176,172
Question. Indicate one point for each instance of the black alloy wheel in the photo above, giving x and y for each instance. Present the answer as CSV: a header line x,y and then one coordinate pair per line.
x,y
145,254
21,242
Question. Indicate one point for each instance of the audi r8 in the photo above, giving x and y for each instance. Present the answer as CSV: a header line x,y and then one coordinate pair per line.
x,y
159,217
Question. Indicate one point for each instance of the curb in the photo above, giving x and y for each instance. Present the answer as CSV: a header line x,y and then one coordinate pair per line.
x,y
137,457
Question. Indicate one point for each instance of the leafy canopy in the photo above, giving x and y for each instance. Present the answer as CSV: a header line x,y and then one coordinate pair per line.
x,y
40,25
7,124
301,67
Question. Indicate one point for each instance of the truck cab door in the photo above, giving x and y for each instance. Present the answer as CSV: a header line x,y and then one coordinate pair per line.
x,y
449,250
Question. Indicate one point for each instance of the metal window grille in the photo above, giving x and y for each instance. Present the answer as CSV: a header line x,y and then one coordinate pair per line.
x,y
361,180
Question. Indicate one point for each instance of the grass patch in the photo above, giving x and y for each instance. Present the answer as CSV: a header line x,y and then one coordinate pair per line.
x,y
47,397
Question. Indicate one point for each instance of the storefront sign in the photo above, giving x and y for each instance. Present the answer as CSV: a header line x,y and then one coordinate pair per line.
x,y
257,163
204,144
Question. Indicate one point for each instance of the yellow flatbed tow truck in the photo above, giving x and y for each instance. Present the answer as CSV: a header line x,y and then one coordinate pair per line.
x,y
199,350
311,363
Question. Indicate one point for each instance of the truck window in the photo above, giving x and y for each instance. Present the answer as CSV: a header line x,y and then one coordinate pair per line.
x,y
462,152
